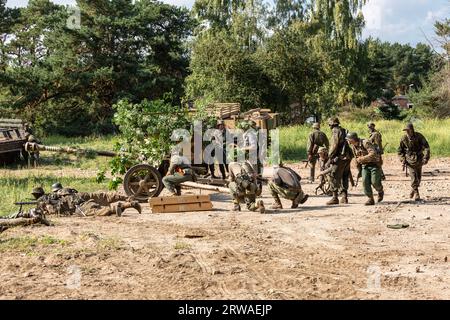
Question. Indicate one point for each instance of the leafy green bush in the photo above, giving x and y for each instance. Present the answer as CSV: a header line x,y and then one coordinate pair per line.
x,y
389,111
145,133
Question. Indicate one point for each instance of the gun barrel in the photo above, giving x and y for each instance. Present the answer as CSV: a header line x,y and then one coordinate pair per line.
x,y
26,203
34,147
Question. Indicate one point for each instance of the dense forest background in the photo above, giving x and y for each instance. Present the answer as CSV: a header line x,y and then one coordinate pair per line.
x,y
298,57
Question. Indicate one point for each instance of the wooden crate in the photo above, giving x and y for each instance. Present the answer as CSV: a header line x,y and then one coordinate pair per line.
x,y
224,110
181,204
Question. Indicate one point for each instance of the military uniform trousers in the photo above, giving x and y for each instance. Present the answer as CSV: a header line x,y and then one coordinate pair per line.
x,y
290,194
103,198
172,182
247,196
340,176
371,177
415,173
312,167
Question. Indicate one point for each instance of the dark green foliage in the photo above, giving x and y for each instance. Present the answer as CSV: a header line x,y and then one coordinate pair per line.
x,y
66,80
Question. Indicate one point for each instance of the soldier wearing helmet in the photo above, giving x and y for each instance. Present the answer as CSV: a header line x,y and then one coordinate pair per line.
x,y
369,159
243,187
68,201
414,152
31,156
316,140
340,158
377,139
251,148
38,192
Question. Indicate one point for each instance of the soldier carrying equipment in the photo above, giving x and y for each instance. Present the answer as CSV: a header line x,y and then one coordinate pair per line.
x,y
243,187
414,153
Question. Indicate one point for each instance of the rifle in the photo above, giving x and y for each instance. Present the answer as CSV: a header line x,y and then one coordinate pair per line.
x,y
359,175
24,203
405,168
306,162
352,181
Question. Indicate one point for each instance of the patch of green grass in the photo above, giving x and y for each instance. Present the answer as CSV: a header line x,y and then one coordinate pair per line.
x,y
293,139
92,142
182,246
16,182
27,244
110,243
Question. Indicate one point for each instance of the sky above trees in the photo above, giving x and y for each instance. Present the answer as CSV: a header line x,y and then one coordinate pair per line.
x,y
403,21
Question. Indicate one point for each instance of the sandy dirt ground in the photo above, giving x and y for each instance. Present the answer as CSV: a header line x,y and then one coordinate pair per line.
x,y
315,252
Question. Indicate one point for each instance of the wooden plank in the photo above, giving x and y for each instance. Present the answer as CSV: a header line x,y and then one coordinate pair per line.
x,y
179,200
171,208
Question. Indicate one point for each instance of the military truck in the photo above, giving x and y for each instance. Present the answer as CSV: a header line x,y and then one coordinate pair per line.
x,y
13,136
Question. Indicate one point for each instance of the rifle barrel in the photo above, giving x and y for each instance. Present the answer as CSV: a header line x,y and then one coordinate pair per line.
x,y
26,203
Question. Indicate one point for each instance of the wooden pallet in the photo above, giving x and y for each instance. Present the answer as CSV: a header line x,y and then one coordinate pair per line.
x,y
181,204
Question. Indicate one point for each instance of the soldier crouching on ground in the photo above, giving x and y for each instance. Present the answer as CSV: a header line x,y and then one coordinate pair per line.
x,y
179,171
414,152
286,183
68,201
369,158
243,187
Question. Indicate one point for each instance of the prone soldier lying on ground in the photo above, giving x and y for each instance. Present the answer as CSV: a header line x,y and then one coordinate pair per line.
x,y
243,187
67,201
286,183
33,216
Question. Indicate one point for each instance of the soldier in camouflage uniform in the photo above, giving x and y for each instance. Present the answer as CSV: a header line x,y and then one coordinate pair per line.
x,y
179,171
325,171
340,158
243,187
68,201
377,139
316,140
285,183
414,152
32,216
369,158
